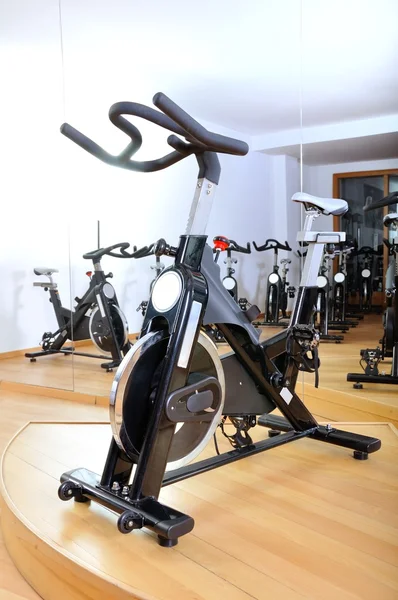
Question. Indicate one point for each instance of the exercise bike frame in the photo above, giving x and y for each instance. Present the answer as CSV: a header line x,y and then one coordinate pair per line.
x,y
200,299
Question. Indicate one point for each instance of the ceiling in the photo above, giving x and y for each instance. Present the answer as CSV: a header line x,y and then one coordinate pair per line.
x,y
372,147
255,66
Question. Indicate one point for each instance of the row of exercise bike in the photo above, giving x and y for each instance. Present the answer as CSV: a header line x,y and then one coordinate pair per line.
x,y
98,316
172,392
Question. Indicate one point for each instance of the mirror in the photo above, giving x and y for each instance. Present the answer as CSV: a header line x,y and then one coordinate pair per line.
x,y
347,153
35,221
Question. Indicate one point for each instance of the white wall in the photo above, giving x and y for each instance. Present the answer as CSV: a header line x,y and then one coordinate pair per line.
x,y
56,223
53,192
161,208
282,183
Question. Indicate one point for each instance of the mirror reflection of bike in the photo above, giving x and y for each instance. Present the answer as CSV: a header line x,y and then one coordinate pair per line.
x,y
372,357
158,268
323,302
96,316
223,244
339,300
366,275
278,288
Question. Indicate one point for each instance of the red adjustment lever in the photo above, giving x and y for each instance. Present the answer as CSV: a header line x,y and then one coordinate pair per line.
x,y
89,273
221,243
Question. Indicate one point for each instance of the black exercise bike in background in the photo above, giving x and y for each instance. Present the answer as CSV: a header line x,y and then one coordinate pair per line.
x,y
278,288
96,316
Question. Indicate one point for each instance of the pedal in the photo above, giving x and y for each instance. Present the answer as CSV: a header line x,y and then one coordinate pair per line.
x,y
372,358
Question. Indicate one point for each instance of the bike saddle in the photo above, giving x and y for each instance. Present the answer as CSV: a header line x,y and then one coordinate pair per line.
x,y
285,261
328,206
44,271
390,219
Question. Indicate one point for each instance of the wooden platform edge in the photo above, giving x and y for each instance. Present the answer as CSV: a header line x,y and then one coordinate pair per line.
x,y
386,412
52,571
51,392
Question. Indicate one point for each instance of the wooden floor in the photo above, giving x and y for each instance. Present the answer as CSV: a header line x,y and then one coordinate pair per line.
x,y
302,521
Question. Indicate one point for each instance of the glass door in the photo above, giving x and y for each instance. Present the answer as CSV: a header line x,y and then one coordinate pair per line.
x,y
366,228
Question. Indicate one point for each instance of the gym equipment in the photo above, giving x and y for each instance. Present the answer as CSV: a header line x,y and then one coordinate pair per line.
x,y
172,389
322,307
365,276
372,357
223,244
158,267
97,314
278,288
339,291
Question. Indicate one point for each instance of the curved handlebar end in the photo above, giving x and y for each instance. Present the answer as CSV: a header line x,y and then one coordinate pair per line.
x,y
213,142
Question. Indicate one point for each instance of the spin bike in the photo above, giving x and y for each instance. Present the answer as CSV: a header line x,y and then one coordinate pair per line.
x,y
278,288
371,357
339,290
365,277
172,389
322,306
223,244
97,314
158,268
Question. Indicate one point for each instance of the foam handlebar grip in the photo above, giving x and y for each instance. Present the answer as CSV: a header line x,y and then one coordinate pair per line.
x,y
84,142
212,141
272,244
387,201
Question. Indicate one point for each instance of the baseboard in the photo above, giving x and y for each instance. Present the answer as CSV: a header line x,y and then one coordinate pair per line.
x,y
76,344
49,392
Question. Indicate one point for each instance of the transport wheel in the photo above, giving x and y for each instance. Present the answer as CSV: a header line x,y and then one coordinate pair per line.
x,y
66,490
128,521
134,390
100,334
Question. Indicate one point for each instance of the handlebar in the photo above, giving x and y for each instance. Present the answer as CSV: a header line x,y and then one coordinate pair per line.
x,y
222,243
392,247
272,244
387,201
172,118
100,252
195,132
368,251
